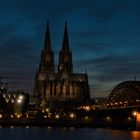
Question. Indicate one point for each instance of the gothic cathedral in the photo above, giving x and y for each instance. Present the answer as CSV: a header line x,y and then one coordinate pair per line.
x,y
64,84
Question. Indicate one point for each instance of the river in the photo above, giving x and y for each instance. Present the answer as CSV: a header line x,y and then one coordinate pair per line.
x,y
63,133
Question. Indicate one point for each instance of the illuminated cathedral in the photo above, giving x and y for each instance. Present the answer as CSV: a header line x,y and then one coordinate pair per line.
x,y
62,84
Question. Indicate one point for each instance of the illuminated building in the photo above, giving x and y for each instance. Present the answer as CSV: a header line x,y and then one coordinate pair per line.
x,y
64,84
3,105
15,102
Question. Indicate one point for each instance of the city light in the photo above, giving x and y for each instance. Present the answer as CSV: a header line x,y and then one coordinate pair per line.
x,y
86,117
1,116
108,118
18,116
87,108
12,101
72,115
138,117
135,113
19,101
47,109
27,115
21,97
129,118
57,116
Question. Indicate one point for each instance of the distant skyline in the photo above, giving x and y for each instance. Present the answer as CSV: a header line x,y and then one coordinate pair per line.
x,y
104,36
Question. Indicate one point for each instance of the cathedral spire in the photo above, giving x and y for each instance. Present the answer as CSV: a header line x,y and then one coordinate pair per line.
x,y
47,43
65,55
65,45
47,56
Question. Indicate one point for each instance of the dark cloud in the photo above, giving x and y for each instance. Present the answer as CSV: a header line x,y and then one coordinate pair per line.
x,y
109,70
17,56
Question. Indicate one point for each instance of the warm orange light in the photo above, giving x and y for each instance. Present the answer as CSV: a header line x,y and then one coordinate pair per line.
x,y
138,117
87,108
27,116
72,115
57,116
18,116
21,97
47,109
135,113
19,101
135,134
116,103
1,116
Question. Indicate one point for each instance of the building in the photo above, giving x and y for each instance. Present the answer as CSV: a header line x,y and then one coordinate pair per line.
x,y
15,101
12,102
64,84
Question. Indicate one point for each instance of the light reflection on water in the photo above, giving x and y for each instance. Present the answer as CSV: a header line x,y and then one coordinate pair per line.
x,y
64,133
135,135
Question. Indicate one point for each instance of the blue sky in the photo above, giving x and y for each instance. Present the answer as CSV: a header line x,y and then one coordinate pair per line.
x,y
104,37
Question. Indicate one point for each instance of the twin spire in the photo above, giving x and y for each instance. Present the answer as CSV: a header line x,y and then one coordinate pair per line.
x,y
65,56
65,45
47,43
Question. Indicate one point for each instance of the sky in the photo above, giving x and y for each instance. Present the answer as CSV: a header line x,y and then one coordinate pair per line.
x,y
104,36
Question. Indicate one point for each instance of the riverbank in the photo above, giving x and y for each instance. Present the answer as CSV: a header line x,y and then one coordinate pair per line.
x,y
99,124
106,118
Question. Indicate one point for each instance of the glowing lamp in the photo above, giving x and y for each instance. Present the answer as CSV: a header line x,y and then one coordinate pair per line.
x,y
134,113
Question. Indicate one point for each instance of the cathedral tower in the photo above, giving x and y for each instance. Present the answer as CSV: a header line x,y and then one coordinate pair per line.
x,y
46,66
47,56
65,56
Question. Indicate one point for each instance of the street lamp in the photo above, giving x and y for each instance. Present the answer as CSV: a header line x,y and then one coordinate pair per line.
x,y
19,101
135,113
72,115
20,97
57,116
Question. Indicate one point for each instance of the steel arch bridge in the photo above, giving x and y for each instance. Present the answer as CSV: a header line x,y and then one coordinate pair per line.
x,y
125,94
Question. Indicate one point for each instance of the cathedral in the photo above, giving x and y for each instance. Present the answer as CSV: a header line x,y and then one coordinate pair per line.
x,y
63,84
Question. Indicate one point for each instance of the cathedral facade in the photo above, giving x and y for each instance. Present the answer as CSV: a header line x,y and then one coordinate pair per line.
x,y
62,84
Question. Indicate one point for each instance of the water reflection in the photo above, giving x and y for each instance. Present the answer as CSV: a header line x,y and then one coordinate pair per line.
x,y
11,126
135,135
27,126
69,133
